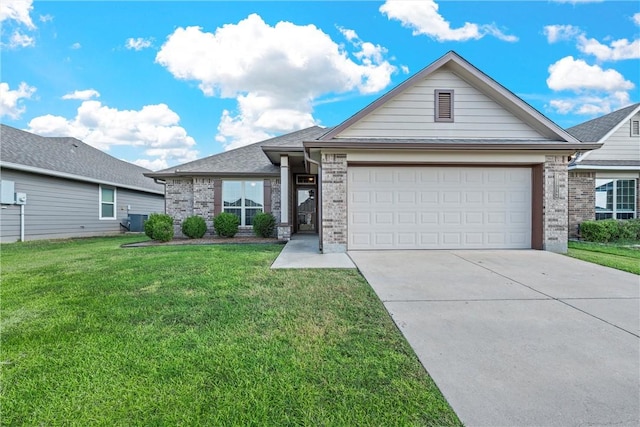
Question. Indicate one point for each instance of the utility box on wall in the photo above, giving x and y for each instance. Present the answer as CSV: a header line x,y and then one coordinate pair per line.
x,y
21,198
7,192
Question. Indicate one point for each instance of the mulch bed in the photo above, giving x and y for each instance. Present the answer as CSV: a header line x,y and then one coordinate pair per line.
x,y
209,240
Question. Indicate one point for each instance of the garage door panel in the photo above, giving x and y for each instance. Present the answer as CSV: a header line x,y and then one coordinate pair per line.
x,y
439,208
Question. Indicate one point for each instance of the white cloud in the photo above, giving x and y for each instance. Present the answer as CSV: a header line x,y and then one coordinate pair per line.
x,y
598,91
45,18
616,51
154,130
19,39
76,46
636,18
82,94
590,105
154,165
556,33
576,75
274,72
348,34
138,44
11,100
423,18
17,10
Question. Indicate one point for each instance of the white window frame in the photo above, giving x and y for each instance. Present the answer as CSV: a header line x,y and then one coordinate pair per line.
x,y
114,203
242,207
614,210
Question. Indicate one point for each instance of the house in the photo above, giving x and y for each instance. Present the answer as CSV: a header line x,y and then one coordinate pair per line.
x,y
604,183
449,159
61,187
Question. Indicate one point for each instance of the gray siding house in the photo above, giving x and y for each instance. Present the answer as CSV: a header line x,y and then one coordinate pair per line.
x,y
70,189
449,159
605,183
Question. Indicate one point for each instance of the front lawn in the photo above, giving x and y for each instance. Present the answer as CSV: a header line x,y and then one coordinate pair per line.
x,y
94,334
621,257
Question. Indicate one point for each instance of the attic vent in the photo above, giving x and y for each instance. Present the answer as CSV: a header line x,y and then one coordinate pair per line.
x,y
635,127
444,105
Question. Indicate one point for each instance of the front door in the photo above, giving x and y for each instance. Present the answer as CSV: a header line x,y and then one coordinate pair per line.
x,y
306,210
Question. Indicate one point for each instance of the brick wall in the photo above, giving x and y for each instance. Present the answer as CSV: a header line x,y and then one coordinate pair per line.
x,y
555,214
334,202
582,199
196,195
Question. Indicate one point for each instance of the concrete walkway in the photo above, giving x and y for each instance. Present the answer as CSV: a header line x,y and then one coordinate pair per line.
x,y
302,252
517,338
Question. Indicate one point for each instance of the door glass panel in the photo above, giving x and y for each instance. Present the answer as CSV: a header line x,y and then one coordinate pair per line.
x,y
306,210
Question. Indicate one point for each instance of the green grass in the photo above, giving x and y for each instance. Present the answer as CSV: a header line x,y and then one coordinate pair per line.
x,y
94,334
621,257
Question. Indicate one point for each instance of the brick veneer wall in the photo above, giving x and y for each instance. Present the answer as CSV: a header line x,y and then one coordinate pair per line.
x,y
334,203
582,199
555,212
196,195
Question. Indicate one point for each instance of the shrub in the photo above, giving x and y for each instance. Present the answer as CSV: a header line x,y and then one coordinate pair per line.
x,y
194,227
264,224
610,230
154,230
163,231
226,224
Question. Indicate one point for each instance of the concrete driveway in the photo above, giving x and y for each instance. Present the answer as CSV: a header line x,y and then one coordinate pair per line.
x,y
517,338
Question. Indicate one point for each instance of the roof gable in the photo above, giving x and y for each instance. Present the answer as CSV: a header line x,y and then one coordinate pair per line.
x,y
70,158
601,128
516,119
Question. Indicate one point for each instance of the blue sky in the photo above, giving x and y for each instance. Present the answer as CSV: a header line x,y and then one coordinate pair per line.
x,y
162,83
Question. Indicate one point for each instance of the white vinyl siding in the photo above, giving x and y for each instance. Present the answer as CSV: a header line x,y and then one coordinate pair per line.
x,y
620,145
439,208
411,114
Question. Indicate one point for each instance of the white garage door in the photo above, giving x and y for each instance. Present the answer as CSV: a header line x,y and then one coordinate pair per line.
x,y
439,208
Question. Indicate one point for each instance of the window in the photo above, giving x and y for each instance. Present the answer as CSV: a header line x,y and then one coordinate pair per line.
x,y
635,127
615,198
244,199
107,203
444,105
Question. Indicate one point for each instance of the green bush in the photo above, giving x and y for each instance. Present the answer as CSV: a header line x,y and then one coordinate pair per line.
x,y
264,224
226,224
163,231
194,227
157,227
610,230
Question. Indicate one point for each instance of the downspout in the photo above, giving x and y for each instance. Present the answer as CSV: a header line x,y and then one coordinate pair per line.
x,y
318,195
22,223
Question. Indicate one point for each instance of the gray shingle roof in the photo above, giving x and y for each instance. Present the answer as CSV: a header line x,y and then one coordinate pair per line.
x,y
594,130
64,155
249,159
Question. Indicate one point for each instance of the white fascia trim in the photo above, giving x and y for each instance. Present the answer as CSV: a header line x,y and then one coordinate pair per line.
x,y
65,175
612,168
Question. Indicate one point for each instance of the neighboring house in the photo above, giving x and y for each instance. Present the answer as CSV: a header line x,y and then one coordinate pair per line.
x,y
604,183
449,159
70,189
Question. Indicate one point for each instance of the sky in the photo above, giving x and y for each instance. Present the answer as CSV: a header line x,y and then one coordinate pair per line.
x,y
162,83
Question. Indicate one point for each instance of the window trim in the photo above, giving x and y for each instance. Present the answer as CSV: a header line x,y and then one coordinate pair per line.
x,y
614,203
437,116
635,127
243,208
114,203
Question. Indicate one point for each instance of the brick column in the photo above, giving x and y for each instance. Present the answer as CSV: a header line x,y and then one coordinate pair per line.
x,y
555,212
179,201
582,199
203,197
334,203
